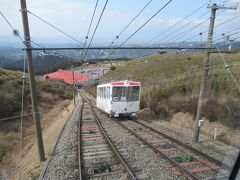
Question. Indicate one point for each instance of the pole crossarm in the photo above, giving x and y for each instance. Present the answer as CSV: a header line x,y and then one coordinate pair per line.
x,y
127,48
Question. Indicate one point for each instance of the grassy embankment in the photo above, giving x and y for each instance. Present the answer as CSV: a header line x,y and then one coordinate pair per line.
x,y
170,84
53,98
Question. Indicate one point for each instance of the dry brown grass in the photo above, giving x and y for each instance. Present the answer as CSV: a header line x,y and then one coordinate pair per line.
x,y
183,123
52,122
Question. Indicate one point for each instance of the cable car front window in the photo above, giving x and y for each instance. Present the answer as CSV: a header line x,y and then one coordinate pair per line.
x,y
133,93
119,94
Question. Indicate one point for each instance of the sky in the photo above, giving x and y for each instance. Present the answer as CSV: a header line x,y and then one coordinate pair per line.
x,y
73,17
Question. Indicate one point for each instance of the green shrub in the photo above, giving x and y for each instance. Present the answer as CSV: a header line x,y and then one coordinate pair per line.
x,y
9,105
112,68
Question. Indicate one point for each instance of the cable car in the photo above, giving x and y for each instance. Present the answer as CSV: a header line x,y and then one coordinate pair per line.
x,y
121,98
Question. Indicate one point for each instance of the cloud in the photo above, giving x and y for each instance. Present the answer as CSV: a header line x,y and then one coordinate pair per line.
x,y
73,17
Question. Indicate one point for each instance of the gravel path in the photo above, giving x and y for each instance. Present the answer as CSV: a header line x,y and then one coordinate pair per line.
x,y
63,163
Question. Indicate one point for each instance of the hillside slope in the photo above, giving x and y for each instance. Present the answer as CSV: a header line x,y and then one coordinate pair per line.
x,y
170,84
50,94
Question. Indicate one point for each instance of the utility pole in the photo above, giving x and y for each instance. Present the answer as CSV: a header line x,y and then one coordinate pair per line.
x,y
214,7
35,110
74,101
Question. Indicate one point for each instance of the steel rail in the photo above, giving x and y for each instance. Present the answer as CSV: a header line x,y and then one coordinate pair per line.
x,y
173,162
186,146
79,142
116,152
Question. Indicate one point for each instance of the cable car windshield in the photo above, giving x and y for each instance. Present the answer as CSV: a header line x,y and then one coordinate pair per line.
x,y
133,93
119,94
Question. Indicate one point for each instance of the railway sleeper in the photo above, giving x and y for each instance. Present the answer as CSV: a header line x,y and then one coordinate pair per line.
x,y
97,153
99,175
98,157
198,170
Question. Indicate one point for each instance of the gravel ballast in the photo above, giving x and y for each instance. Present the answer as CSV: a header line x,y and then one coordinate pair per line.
x,y
63,162
140,158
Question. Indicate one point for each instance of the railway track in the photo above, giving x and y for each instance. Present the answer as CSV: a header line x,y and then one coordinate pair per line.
x,y
98,156
184,159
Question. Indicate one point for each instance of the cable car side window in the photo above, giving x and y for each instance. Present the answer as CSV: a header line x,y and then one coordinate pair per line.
x,y
108,92
133,93
105,93
119,93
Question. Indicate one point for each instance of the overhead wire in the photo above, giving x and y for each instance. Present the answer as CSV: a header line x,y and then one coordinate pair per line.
x,y
227,67
227,35
181,35
217,26
90,25
163,32
22,114
184,26
227,32
178,36
140,27
191,23
119,34
231,19
14,30
85,54
25,115
54,27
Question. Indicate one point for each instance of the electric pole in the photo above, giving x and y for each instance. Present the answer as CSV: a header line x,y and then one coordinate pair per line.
x,y
214,7
35,110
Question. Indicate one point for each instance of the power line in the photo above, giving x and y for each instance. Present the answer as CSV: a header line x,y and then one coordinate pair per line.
x,y
163,32
227,21
14,30
27,114
131,21
142,26
228,32
90,25
182,27
229,42
22,114
71,37
37,44
231,19
185,32
95,29
206,30
229,69
191,29
227,35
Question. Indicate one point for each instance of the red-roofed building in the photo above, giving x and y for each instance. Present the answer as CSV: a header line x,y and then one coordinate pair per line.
x,y
67,76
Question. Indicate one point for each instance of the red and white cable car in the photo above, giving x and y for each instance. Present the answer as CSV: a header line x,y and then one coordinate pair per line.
x,y
119,98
